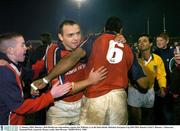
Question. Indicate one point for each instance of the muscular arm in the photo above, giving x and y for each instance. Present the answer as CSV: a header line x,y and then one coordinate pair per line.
x,y
66,63
61,67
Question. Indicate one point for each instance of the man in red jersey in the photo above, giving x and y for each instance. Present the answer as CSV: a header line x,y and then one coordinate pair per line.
x,y
67,109
106,102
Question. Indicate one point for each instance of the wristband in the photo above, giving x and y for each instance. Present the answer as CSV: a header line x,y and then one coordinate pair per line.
x,y
45,81
33,87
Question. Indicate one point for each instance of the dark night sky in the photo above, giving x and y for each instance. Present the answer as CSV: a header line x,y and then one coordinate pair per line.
x,y
32,17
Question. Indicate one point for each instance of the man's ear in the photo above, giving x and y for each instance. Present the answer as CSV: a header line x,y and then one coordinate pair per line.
x,y
10,51
167,41
60,36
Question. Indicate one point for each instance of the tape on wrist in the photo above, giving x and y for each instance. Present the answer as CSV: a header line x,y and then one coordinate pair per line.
x,y
33,87
45,81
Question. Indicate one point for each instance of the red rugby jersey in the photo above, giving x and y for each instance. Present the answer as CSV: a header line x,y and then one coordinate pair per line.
x,y
75,74
116,57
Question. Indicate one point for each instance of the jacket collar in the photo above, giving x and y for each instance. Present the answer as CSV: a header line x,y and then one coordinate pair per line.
x,y
3,56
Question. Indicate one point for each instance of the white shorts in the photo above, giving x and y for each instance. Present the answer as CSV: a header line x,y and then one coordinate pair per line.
x,y
63,113
137,99
108,109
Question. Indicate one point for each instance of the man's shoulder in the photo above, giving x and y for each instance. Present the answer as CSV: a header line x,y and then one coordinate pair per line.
x,y
105,36
51,48
4,69
157,57
53,44
6,72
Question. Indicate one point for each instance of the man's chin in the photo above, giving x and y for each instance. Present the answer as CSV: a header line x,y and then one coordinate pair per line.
x,y
22,60
75,48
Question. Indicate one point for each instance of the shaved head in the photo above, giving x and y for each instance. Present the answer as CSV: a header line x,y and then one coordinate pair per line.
x,y
7,40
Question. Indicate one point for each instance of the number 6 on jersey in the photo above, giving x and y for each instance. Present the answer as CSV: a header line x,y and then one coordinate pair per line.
x,y
114,54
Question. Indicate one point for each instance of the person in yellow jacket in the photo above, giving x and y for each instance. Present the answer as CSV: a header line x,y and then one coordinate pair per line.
x,y
141,105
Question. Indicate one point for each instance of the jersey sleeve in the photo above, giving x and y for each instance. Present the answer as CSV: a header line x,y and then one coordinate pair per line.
x,y
13,99
38,67
87,46
135,71
161,73
34,105
10,91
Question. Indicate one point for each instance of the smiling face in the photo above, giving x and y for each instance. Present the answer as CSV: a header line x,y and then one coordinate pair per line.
x,y
70,36
161,42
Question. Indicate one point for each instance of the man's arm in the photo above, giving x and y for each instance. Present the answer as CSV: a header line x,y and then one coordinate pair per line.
x,y
65,64
137,77
95,76
33,105
161,77
142,84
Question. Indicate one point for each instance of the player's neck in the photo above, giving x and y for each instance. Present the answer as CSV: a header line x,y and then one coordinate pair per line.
x,y
146,55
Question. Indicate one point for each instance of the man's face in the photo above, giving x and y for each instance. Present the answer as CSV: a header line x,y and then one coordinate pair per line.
x,y
19,51
161,42
144,43
71,36
177,54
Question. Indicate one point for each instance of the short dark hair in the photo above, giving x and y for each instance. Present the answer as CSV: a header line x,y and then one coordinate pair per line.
x,y
66,22
46,38
45,34
7,36
146,35
114,24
